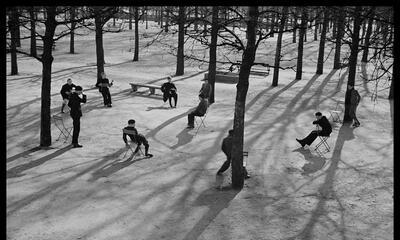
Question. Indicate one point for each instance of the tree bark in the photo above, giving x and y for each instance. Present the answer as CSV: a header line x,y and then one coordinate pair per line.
x,y
353,60
167,20
47,60
367,36
12,23
180,63
339,36
212,66
242,88
279,47
130,18
196,15
299,68
136,52
320,63
295,26
72,33
32,15
99,44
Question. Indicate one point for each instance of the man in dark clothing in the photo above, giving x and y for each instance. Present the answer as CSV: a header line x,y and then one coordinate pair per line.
x,y
169,91
227,149
205,89
66,92
76,113
354,101
103,84
200,110
136,137
326,130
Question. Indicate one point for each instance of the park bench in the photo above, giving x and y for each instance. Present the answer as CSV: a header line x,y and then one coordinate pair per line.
x,y
151,87
225,77
262,70
116,27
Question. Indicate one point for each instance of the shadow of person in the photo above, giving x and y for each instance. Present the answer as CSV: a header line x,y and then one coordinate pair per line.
x,y
183,138
315,162
159,107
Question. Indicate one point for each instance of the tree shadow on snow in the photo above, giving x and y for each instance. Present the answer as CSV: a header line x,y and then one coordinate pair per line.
x,y
314,164
183,138
23,154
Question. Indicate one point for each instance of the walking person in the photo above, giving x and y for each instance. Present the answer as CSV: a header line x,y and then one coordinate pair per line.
x,y
138,138
169,91
325,130
66,92
205,89
200,110
76,113
227,149
103,84
354,101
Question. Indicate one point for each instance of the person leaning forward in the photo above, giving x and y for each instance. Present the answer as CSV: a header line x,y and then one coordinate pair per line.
x,y
139,139
66,92
326,130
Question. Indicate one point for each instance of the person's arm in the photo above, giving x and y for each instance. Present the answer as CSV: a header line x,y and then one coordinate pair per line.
x,y
124,138
83,99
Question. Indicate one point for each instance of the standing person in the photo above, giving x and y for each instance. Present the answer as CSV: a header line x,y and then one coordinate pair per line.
x,y
227,149
138,138
76,113
103,84
326,130
200,110
354,101
206,89
66,92
169,91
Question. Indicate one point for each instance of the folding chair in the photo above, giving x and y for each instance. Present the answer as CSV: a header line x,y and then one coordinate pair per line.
x,y
335,114
322,141
133,133
202,119
65,132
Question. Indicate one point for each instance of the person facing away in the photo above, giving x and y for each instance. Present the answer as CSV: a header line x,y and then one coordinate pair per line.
x,y
325,130
200,110
76,113
136,137
66,92
169,91
205,89
103,84
354,101
227,149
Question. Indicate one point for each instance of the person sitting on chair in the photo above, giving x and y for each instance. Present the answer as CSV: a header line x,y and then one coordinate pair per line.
x,y
169,91
136,137
103,84
326,130
200,110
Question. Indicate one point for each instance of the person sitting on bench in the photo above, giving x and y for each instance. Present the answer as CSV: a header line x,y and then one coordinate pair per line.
x,y
200,110
137,138
326,130
169,91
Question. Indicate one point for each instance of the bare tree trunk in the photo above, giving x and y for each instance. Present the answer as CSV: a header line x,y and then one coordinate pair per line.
x,y
295,26
299,68
72,32
368,35
99,45
242,88
320,63
353,60
146,16
13,24
212,67
32,15
161,16
339,35
316,27
279,47
136,53
196,15
180,65
130,18
167,20
47,60
17,29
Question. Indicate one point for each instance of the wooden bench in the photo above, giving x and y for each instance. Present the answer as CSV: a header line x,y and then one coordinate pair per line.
x,y
260,69
225,77
40,46
151,87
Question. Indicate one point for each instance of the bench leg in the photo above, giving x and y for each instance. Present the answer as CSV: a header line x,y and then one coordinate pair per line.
x,y
134,88
152,90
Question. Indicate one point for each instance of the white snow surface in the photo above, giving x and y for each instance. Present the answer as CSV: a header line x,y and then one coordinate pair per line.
x,y
96,192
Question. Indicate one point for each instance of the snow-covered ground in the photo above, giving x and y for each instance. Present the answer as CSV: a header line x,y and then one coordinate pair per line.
x,y
95,192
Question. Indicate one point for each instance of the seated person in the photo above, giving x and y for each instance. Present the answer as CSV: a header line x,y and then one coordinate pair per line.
x,y
169,91
200,110
136,137
326,130
206,89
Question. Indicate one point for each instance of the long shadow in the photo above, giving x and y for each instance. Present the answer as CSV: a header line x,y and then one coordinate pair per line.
x,y
216,201
315,163
183,138
17,170
23,154
326,190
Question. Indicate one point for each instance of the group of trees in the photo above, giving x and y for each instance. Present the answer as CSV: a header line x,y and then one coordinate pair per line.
x,y
225,30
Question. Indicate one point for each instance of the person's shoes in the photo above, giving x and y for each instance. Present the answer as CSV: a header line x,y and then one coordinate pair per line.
x,y
62,112
109,105
148,155
301,142
247,176
76,145
190,126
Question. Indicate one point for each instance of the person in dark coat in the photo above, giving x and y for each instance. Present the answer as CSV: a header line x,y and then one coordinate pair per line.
x,y
169,91
227,149
139,139
205,89
325,130
76,113
354,101
103,84
200,110
66,92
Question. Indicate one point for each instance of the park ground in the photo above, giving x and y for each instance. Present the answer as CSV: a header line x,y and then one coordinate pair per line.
x,y
101,192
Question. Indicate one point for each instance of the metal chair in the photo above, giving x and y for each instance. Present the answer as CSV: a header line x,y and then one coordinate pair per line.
x,y
133,133
335,114
323,140
65,132
202,120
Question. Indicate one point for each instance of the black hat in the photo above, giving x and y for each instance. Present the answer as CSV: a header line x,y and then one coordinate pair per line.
x,y
131,121
78,88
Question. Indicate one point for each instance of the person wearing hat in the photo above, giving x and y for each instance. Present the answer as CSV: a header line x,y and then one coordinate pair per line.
x,y
205,89
200,110
103,84
169,91
76,113
136,137
66,92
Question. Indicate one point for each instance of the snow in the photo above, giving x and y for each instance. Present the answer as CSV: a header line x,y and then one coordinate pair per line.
x,y
95,193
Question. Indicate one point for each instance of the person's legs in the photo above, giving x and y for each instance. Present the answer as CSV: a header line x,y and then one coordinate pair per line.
x,y
65,102
104,94
176,98
224,166
108,96
76,122
165,96
169,99
191,119
311,137
356,122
